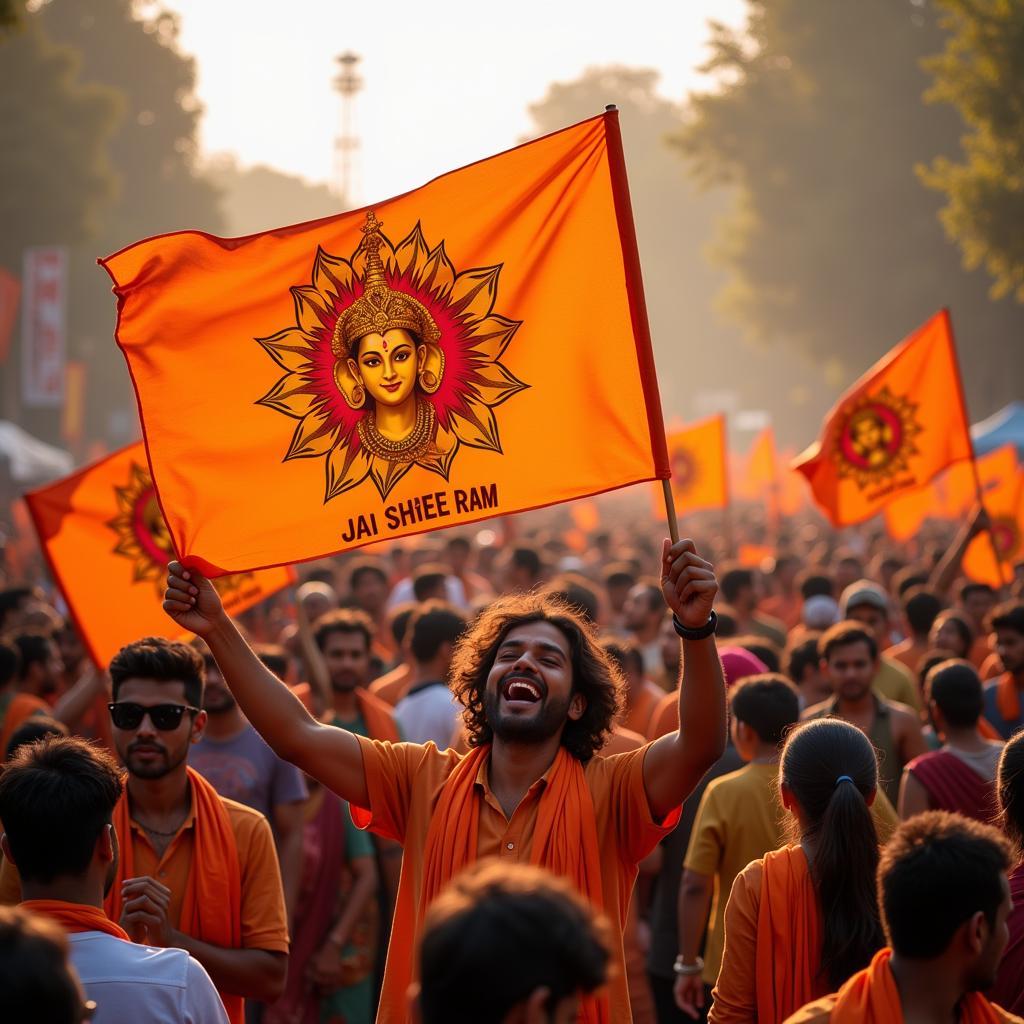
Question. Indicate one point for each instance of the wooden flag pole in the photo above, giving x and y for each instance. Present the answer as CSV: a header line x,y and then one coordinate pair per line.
x,y
670,510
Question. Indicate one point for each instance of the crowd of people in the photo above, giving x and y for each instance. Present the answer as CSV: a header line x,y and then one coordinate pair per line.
x,y
527,772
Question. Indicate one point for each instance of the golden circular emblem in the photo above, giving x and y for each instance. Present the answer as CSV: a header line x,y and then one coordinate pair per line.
x,y
876,438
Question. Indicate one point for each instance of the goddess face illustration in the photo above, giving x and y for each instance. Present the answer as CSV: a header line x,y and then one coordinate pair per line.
x,y
394,361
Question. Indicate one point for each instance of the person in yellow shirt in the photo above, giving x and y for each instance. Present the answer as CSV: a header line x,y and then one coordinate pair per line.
x,y
738,820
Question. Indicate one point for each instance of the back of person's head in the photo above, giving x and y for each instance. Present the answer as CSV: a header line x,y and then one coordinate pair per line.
x,y
626,656
921,607
1008,615
728,624
432,626
37,727
760,648
37,983
829,768
527,561
576,591
10,663
937,872
814,583
274,656
163,661
501,936
34,647
430,581
800,655
734,581
619,576
56,797
768,703
1010,790
364,569
343,620
955,687
908,578
12,601
845,634
399,621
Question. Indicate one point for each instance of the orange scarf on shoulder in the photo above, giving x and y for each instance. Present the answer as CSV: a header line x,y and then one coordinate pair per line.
x,y
564,842
76,917
212,907
871,997
788,937
378,716
1008,698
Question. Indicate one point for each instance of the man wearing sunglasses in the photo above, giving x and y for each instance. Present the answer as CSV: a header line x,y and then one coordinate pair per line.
x,y
197,870
57,799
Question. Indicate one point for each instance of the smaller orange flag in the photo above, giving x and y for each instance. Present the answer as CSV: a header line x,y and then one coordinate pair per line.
x,y
902,423
792,485
697,455
107,545
1005,506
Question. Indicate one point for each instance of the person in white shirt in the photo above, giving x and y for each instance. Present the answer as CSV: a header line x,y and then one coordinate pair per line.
x,y
57,799
428,711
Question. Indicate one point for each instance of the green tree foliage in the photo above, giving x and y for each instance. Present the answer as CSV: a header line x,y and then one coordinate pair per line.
x,y
131,46
981,73
834,245
55,177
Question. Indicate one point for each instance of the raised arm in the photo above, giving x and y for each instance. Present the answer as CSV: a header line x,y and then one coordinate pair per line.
x,y
329,754
677,762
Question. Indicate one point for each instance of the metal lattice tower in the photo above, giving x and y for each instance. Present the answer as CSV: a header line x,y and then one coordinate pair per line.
x,y
347,83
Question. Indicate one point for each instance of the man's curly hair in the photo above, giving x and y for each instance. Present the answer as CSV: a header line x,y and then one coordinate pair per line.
x,y
594,675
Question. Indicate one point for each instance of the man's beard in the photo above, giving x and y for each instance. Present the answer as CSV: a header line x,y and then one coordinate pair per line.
x,y
155,769
345,682
552,716
224,701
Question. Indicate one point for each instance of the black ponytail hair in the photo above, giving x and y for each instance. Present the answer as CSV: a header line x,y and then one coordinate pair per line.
x,y
831,769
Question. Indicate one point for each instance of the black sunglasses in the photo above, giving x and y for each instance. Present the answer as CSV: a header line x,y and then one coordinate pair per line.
x,y
164,717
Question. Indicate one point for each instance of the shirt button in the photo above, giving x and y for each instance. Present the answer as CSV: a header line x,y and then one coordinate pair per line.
x,y
510,846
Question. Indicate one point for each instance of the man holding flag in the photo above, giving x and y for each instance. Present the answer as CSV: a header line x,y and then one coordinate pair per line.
x,y
539,695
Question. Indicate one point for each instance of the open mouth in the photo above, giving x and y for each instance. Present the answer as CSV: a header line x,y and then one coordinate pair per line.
x,y
520,690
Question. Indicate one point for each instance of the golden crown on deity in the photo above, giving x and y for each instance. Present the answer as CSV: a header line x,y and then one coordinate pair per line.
x,y
380,308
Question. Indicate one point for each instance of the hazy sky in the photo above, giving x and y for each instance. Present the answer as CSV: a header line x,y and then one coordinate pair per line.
x,y
445,82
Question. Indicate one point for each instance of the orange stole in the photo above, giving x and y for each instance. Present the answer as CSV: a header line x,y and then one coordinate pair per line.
x,y
377,714
212,907
76,917
1007,698
871,997
788,937
21,707
564,841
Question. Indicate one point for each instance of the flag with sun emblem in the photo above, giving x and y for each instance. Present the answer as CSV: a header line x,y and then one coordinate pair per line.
x,y
1004,503
108,548
898,426
476,347
697,455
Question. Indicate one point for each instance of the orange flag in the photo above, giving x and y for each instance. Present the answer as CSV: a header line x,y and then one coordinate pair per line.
x,y
898,426
792,485
1005,506
699,476
107,546
473,348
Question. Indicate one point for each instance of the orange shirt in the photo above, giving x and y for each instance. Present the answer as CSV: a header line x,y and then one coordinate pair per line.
x,y
638,718
404,781
20,706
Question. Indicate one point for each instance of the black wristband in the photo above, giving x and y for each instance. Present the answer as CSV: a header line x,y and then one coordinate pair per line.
x,y
696,634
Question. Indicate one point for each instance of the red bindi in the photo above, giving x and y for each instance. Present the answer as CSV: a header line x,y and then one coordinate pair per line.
x,y
385,344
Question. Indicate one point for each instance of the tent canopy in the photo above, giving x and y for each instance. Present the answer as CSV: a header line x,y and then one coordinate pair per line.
x,y
1003,427
32,461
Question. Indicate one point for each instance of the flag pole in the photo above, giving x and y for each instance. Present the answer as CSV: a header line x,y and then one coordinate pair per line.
x,y
670,510
978,490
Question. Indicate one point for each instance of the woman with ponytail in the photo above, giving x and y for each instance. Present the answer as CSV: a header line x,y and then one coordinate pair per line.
x,y
804,918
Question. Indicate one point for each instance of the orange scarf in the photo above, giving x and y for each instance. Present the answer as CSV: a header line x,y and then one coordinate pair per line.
x,y
212,907
378,716
564,840
20,707
788,937
871,997
1008,698
76,917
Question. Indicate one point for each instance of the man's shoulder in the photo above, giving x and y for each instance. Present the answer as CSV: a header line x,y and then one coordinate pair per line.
x,y
98,957
894,667
820,710
245,821
901,712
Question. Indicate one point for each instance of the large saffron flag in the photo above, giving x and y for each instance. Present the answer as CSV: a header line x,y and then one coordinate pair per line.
x,y
699,460
902,423
1004,503
108,548
476,347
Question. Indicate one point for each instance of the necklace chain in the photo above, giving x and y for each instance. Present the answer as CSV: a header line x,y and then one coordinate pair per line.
x,y
409,449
